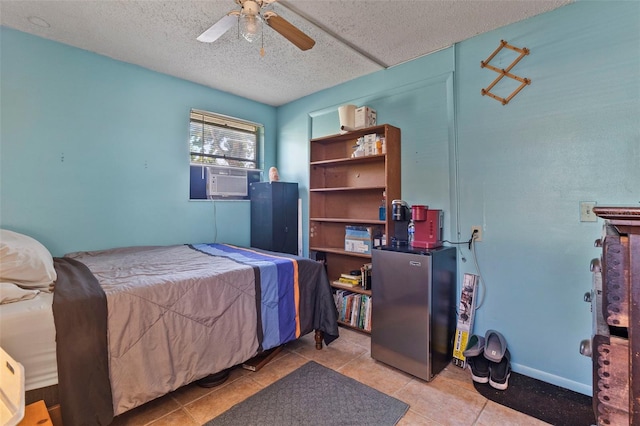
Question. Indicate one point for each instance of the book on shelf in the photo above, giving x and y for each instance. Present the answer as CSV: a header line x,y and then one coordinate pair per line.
x,y
363,308
351,277
367,317
349,281
365,274
354,309
346,284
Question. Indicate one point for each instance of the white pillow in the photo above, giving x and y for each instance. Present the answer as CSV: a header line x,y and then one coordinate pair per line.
x,y
24,261
10,293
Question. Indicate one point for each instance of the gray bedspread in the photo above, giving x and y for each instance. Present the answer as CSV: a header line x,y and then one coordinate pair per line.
x,y
176,315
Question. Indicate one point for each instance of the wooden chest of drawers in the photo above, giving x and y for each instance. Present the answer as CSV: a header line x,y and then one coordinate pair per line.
x,y
615,345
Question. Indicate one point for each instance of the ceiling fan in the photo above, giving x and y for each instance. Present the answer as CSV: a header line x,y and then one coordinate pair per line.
x,y
249,20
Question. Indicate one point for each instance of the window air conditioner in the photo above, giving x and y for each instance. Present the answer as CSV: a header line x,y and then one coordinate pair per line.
x,y
226,182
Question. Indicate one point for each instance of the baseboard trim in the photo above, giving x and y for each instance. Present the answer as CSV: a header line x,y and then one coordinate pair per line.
x,y
553,379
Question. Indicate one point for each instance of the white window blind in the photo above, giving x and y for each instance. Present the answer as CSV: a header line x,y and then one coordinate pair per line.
x,y
220,140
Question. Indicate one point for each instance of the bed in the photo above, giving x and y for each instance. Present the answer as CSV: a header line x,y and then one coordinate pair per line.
x,y
134,323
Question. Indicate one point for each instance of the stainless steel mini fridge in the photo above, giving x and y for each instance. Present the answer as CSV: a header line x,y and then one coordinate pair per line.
x,y
413,316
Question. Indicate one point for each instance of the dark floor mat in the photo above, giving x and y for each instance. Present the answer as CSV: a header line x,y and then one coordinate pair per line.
x,y
544,401
314,395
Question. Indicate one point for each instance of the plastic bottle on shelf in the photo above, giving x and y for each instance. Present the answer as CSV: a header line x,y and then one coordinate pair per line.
x,y
382,210
411,231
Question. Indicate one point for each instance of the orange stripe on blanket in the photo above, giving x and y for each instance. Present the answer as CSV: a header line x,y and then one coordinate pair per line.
x,y
296,285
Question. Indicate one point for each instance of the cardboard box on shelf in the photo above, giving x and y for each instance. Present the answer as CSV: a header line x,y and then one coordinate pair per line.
x,y
370,144
365,117
360,239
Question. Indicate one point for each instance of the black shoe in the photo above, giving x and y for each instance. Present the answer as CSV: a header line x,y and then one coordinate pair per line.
x,y
499,372
213,380
478,364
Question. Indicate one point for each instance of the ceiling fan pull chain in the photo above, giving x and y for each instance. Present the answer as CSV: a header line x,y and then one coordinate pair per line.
x,y
262,41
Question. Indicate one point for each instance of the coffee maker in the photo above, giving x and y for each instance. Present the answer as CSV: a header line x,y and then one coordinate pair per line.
x,y
428,227
401,216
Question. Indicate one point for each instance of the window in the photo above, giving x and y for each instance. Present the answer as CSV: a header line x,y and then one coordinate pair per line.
x,y
224,141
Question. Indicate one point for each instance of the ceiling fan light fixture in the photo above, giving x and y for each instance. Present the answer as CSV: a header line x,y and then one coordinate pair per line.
x,y
250,26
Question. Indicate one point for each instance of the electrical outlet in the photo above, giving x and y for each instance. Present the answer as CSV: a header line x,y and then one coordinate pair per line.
x,y
478,233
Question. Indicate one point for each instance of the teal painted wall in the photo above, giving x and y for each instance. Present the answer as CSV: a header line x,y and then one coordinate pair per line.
x,y
571,136
518,170
417,99
94,152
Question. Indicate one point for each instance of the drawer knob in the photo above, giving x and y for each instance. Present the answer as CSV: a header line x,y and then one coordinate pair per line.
x,y
585,347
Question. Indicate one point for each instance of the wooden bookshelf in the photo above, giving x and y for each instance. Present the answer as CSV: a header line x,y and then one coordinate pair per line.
x,y
346,190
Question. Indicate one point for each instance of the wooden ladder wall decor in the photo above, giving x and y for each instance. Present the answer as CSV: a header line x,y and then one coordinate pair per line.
x,y
505,72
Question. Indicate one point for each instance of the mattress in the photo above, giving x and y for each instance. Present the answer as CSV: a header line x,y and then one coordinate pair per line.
x,y
27,333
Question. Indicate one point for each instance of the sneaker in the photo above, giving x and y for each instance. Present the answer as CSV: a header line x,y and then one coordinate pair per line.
x,y
474,355
499,372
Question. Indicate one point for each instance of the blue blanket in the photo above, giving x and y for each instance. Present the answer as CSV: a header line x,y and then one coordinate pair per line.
x,y
278,288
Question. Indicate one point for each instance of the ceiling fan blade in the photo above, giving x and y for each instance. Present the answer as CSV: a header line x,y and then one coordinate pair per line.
x,y
289,31
218,29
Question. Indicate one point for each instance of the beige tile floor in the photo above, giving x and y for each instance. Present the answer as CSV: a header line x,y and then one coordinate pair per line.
x,y
449,399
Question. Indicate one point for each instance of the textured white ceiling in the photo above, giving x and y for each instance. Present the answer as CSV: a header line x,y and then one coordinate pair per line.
x,y
161,36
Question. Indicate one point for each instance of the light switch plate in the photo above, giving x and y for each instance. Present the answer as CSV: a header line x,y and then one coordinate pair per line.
x,y
586,211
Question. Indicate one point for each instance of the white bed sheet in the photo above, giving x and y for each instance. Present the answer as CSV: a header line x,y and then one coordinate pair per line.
x,y
27,333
